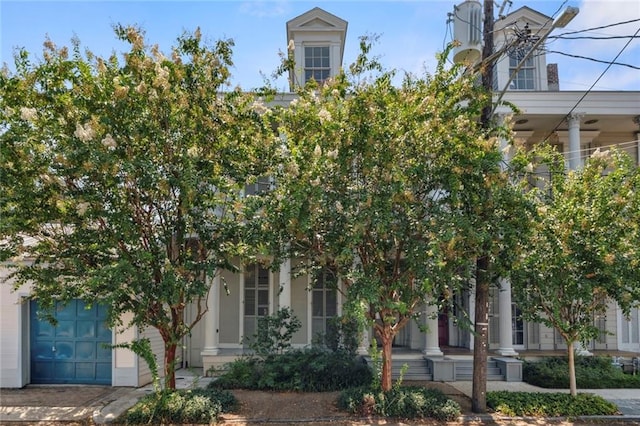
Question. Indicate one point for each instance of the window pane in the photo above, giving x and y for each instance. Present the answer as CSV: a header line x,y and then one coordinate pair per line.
x,y
263,277
263,297
318,303
250,302
332,305
250,277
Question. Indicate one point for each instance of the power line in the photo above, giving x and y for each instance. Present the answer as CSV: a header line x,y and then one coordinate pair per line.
x,y
595,28
592,37
593,59
594,84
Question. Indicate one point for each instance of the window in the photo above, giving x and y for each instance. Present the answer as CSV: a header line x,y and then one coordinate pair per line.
x,y
256,297
262,185
323,301
517,325
316,63
524,78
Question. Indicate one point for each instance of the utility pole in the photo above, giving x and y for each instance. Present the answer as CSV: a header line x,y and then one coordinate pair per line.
x,y
483,276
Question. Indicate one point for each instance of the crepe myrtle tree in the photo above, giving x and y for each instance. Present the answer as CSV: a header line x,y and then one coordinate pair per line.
x,y
585,249
372,185
127,173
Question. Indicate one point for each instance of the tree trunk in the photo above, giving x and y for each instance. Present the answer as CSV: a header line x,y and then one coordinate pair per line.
x,y
387,342
573,388
481,338
170,365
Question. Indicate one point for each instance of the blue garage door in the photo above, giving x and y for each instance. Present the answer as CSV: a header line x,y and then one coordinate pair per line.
x,y
73,351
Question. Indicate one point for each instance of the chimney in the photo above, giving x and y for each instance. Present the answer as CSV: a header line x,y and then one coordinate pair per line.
x,y
553,83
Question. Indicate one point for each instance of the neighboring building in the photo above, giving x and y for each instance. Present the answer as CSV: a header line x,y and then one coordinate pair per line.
x,y
32,351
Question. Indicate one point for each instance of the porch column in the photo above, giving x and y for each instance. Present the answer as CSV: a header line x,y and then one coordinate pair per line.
x,y
432,344
212,319
506,324
574,141
365,342
284,295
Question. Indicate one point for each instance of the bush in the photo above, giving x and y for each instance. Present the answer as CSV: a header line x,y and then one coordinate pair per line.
x,y
407,402
306,370
591,373
517,404
274,332
181,406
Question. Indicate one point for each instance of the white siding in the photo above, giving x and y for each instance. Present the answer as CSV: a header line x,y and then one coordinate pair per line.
x,y
14,336
157,346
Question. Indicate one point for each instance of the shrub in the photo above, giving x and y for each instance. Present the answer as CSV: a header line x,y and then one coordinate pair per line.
x,y
274,332
591,373
180,406
306,370
549,404
408,402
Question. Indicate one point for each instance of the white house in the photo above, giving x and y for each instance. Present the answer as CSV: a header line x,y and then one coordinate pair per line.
x,y
32,351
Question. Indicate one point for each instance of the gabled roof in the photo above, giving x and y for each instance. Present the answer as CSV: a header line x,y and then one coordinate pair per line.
x,y
525,14
317,20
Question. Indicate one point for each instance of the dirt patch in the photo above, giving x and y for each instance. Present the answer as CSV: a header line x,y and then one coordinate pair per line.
x,y
320,408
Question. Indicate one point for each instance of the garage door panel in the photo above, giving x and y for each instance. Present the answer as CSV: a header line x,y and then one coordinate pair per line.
x,y
86,329
85,350
63,369
103,372
76,350
65,328
43,329
103,352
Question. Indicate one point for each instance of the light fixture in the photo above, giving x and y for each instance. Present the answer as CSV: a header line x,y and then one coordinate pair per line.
x,y
592,121
565,17
522,121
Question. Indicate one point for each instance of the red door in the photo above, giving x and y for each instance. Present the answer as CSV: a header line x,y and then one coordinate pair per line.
x,y
443,329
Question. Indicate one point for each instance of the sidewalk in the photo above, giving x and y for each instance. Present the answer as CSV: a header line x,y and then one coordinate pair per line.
x,y
105,404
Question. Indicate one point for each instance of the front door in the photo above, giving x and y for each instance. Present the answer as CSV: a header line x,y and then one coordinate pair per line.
x,y
73,351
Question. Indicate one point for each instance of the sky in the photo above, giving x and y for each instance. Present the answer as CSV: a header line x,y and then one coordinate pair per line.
x,y
410,33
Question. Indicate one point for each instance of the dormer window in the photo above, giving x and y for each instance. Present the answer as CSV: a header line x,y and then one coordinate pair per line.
x,y
524,78
316,63
317,42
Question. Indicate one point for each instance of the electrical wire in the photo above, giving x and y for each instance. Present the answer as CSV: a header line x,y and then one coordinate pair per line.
x,y
596,28
594,83
590,37
594,60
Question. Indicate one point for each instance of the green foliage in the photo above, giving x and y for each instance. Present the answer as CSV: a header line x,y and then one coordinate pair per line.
x,y
308,370
343,334
142,348
121,177
407,402
549,404
387,186
584,251
199,406
274,332
591,373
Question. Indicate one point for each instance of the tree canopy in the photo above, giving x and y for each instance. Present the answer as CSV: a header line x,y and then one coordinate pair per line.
x,y
126,174
585,249
375,185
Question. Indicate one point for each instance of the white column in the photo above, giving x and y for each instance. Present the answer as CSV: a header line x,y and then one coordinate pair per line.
x,y
365,342
472,312
284,296
506,325
574,141
432,344
212,319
